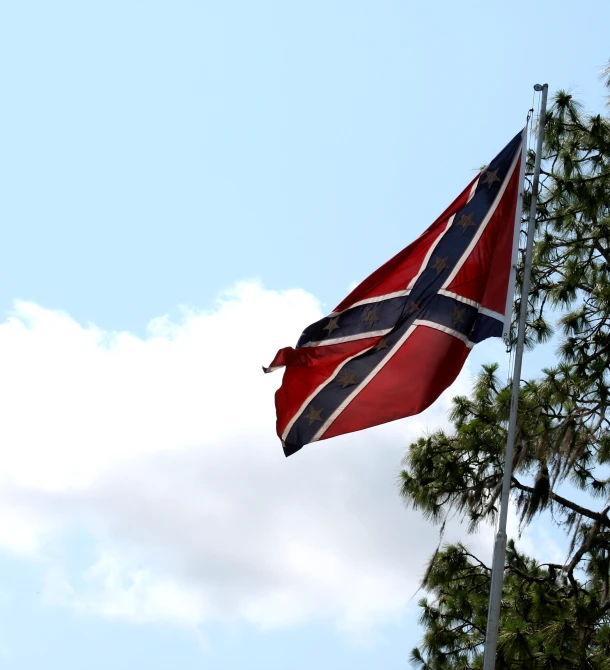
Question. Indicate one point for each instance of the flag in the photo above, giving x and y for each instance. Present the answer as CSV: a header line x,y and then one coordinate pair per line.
x,y
401,337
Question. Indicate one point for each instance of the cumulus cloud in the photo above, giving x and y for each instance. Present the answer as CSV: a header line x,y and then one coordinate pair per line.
x,y
162,451
109,589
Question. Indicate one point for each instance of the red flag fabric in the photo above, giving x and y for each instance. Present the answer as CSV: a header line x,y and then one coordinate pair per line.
x,y
401,337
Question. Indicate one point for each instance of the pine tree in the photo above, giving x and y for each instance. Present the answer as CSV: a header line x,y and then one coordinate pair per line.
x,y
554,615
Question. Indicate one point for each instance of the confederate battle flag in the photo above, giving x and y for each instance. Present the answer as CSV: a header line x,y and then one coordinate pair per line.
x,y
401,337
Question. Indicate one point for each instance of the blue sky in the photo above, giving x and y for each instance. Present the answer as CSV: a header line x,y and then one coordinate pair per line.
x,y
225,171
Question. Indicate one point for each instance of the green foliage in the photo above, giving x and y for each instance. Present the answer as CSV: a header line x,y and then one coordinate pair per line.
x,y
554,616
545,623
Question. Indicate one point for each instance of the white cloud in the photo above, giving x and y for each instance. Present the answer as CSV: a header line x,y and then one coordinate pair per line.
x,y
163,451
109,589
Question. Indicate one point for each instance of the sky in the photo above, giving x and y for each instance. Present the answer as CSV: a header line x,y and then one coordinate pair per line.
x,y
184,186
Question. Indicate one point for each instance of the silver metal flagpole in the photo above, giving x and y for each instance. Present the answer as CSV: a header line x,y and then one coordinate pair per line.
x,y
497,572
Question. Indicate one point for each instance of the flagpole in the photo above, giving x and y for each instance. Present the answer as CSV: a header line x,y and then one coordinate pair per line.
x,y
497,571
